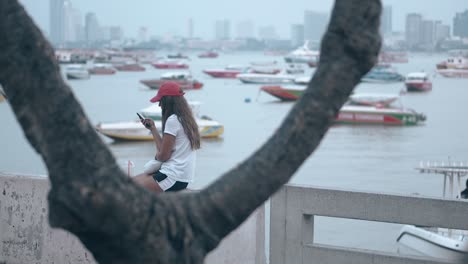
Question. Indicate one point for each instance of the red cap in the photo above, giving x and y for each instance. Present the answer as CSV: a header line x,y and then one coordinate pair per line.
x,y
167,89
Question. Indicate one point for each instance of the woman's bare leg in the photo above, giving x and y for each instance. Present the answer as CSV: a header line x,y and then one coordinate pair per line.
x,y
147,182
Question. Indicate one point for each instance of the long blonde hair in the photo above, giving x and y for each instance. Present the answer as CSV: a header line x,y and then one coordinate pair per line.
x,y
178,106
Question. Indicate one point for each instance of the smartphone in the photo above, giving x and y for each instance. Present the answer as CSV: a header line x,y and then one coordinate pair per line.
x,y
141,119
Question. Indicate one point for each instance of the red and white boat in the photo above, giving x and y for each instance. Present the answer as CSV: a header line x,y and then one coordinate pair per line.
x,y
453,73
133,67
284,93
393,57
102,69
184,79
208,54
418,82
170,64
229,72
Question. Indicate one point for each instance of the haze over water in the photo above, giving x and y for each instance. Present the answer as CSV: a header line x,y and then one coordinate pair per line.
x,y
368,158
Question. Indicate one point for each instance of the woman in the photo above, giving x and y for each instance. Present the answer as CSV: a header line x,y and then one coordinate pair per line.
x,y
176,148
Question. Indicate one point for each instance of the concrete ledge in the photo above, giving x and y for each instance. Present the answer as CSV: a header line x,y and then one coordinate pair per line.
x,y
26,237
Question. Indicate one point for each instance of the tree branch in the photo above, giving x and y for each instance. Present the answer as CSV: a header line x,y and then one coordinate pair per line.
x,y
120,222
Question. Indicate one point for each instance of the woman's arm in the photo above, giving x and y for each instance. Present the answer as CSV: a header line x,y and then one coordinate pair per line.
x,y
167,145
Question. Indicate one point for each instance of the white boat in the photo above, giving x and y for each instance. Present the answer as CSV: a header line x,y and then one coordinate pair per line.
x,y
442,243
303,55
76,72
266,78
303,80
135,131
295,68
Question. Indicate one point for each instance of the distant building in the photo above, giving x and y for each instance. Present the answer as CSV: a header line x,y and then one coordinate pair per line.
x,y
92,28
57,21
190,28
142,35
442,32
267,32
386,21
245,29
413,30
460,25
427,34
315,24
223,30
297,35
116,33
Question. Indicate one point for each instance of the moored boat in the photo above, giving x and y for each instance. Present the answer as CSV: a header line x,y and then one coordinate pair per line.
x,y
284,93
229,72
266,78
135,131
102,69
76,72
450,245
184,79
383,75
208,54
459,63
418,82
170,64
130,67
393,57
453,73
362,109
177,56
303,55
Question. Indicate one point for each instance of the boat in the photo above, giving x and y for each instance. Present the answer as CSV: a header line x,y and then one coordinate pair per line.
x,y
229,72
135,130
170,64
303,55
418,82
303,80
442,243
393,57
294,68
284,93
184,79
453,73
130,67
459,63
76,72
377,109
177,56
102,69
265,78
383,75
208,54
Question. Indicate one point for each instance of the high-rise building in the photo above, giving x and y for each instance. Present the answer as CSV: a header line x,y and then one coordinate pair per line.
x,y
142,34
297,35
386,21
315,24
267,33
413,29
57,21
92,28
116,33
460,24
190,28
427,33
223,29
441,31
245,29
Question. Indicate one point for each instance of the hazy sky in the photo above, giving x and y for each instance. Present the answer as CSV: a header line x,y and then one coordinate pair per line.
x,y
170,17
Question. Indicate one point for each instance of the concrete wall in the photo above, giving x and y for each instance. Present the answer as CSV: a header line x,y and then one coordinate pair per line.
x,y
26,237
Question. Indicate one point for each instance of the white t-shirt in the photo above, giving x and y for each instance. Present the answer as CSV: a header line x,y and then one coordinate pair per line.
x,y
181,164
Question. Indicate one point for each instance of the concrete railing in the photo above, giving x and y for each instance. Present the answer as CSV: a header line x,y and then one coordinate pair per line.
x,y
26,237
292,223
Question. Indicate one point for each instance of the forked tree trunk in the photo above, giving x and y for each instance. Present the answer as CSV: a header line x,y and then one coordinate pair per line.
x,y
120,222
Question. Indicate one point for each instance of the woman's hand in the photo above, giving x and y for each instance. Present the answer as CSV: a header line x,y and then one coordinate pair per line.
x,y
149,124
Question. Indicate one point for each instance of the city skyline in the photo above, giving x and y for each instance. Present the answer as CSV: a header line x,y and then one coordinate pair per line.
x,y
173,19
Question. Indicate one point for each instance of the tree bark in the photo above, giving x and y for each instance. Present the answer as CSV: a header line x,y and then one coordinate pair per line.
x,y
118,221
